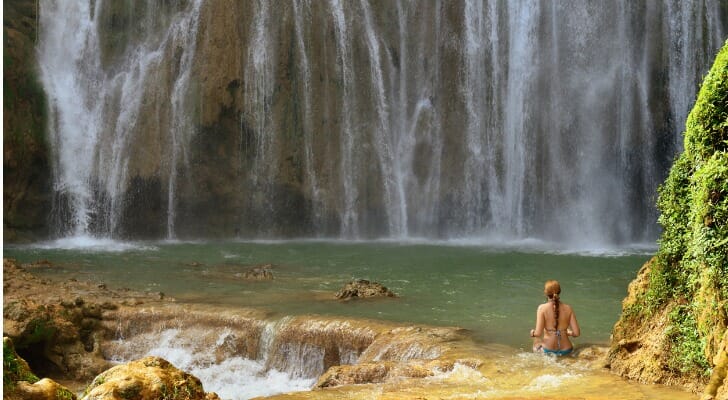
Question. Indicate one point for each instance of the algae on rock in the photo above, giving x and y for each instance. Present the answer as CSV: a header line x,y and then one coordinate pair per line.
x,y
675,316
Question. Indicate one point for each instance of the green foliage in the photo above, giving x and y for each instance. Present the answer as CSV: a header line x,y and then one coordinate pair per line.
x,y
131,391
707,124
687,355
14,370
65,394
662,283
42,331
674,205
691,266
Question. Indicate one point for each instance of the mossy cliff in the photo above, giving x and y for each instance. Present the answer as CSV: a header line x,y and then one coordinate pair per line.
x,y
26,166
673,324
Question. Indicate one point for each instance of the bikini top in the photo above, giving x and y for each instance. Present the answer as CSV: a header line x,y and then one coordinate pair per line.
x,y
557,333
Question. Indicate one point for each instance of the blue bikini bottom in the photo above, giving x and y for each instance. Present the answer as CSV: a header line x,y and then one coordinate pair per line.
x,y
557,352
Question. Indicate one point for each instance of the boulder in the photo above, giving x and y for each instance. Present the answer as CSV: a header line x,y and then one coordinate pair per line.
x,y
362,288
149,378
44,389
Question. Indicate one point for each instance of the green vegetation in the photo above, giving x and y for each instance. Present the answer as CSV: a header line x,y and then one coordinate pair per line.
x,y
690,272
14,368
64,394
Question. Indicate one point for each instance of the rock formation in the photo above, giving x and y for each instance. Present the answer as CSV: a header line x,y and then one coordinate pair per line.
x,y
59,328
362,288
27,190
19,382
150,378
674,319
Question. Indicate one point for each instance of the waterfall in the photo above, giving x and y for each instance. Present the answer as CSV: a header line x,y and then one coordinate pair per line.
x,y
480,119
96,107
70,70
349,173
301,9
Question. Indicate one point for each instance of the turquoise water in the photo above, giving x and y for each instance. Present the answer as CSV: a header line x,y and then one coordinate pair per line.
x,y
493,292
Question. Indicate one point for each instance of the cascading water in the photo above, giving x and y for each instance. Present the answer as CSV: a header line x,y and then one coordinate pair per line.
x,y
487,119
349,174
100,104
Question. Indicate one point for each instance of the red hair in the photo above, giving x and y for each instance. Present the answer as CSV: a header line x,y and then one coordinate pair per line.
x,y
552,290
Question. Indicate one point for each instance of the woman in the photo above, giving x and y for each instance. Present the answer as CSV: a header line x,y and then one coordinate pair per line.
x,y
556,321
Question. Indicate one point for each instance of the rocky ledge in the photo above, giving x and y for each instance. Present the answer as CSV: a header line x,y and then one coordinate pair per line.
x,y
58,327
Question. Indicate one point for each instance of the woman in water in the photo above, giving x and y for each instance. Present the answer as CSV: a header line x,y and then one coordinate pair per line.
x,y
556,321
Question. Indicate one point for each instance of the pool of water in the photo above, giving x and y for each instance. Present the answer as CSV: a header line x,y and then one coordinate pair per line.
x,y
491,291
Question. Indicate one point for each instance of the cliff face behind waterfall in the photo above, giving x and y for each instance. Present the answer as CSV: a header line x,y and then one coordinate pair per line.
x,y
26,164
362,119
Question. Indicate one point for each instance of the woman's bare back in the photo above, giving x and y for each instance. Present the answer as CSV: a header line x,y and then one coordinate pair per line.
x,y
556,336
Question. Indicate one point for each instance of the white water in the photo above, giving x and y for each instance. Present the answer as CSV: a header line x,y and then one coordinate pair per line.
x,y
232,378
516,120
95,111
349,168
302,9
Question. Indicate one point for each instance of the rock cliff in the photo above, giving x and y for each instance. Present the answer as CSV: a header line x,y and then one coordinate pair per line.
x,y
26,160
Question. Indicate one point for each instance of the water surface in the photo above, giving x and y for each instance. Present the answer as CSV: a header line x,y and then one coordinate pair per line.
x,y
493,292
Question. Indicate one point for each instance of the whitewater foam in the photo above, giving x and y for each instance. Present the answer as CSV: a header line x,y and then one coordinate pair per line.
x,y
233,377
93,244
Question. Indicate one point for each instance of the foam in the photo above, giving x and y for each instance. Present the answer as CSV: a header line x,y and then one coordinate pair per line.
x,y
93,244
234,378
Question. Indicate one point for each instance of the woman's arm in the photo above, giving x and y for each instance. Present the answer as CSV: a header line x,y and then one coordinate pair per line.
x,y
540,322
573,325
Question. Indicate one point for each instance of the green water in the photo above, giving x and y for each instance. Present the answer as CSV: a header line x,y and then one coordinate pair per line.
x,y
492,292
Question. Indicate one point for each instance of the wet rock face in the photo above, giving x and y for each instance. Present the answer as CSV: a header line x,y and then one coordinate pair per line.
x,y
362,288
149,378
27,190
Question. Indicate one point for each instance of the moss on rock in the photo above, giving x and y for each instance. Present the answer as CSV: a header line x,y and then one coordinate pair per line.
x,y
682,293
14,367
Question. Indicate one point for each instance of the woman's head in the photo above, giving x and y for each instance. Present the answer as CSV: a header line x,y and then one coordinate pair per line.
x,y
552,289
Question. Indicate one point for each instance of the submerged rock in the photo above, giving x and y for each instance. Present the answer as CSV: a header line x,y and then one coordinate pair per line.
x,y
362,288
259,273
149,378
